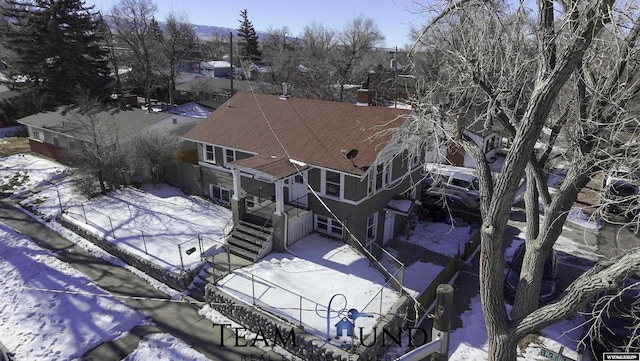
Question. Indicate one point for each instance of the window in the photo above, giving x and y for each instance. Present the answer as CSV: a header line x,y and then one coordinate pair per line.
x,y
220,194
372,223
56,141
383,176
329,226
209,154
230,155
37,134
333,184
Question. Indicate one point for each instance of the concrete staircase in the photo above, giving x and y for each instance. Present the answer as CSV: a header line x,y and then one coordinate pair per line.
x,y
250,238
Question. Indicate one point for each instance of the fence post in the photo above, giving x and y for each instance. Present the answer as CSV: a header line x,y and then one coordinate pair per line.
x,y
442,319
301,311
380,313
144,242
253,291
112,232
59,201
84,213
229,256
181,261
200,246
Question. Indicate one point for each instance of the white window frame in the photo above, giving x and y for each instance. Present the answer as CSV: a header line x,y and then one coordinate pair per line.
x,y
229,158
205,152
55,139
38,134
340,185
330,224
218,194
385,178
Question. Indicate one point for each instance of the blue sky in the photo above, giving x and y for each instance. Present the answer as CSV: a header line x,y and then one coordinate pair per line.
x,y
393,17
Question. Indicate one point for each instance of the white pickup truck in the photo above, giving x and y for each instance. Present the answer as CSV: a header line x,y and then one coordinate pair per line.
x,y
458,188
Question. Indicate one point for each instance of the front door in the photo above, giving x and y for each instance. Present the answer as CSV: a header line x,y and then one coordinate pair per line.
x,y
298,190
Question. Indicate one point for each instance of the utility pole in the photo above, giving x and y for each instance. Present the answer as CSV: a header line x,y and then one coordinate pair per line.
x,y
395,78
231,72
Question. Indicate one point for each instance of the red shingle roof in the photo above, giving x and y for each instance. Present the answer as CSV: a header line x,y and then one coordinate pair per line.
x,y
312,131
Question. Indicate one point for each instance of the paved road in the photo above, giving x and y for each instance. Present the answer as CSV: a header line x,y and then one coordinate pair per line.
x,y
179,319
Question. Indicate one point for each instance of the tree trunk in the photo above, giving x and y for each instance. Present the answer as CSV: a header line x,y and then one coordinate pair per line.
x,y
502,347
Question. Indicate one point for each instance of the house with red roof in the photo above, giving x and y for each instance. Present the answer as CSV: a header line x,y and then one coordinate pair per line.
x,y
288,166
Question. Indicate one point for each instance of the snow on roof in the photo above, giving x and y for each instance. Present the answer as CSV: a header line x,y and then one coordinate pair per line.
x,y
402,205
191,109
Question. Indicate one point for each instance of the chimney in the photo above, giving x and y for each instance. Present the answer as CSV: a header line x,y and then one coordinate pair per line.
x,y
285,91
364,97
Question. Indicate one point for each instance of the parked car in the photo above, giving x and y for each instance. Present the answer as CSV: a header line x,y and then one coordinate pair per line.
x,y
456,183
621,198
619,322
464,182
549,276
452,198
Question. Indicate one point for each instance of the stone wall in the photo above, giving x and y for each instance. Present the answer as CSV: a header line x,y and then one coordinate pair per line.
x,y
266,325
179,281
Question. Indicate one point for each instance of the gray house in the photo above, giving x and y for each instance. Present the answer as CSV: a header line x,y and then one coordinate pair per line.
x,y
54,133
289,166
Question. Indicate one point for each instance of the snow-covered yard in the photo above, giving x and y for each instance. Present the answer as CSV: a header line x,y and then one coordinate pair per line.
x,y
157,223
22,172
49,311
299,284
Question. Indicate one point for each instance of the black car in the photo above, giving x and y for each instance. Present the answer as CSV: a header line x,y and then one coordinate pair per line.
x,y
550,273
619,322
621,199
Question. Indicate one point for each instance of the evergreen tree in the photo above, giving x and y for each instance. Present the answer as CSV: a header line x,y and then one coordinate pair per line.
x,y
248,39
57,49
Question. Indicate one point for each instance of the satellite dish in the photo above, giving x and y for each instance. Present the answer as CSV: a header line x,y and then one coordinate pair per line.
x,y
351,155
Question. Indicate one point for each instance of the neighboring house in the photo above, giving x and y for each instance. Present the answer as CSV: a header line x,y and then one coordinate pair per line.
x,y
55,133
299,165
480,132
211,92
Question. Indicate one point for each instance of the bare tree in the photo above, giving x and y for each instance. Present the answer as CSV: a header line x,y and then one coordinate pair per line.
x,y
566,78
352,46
133,25
278,51
97,145
314,78
154,150
177,42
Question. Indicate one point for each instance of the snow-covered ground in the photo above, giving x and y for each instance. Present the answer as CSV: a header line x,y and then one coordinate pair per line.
x,y
441,238
315,268
22,172
312,272
164,347
48,310
157,223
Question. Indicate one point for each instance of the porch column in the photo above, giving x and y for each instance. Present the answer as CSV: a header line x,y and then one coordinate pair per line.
x,y
238,205
237,193
278,219
279,186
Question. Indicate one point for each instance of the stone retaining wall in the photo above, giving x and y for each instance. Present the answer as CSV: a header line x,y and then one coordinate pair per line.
x,y
179,281
266,326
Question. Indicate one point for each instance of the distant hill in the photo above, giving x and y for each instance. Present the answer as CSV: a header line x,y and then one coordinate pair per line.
x,y
207,32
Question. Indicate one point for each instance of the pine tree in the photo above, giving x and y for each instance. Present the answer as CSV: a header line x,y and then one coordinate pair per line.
x,y
57,49
248,46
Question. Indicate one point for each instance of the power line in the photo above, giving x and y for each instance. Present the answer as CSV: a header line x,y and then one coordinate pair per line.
x,y
317,196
